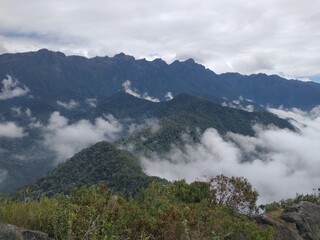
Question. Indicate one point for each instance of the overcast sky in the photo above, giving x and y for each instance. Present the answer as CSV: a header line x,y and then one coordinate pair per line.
x,y
271,36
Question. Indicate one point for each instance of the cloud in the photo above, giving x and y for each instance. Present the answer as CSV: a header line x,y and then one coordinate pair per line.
x,y
239,103
18,111
3,175
12,88
233,35
168,96
279,163
134,92
151,123
11,130
92,102
257,63
66,139
68,105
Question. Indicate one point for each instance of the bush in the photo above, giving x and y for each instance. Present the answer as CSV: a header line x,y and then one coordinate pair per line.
x,y
162,211
235,192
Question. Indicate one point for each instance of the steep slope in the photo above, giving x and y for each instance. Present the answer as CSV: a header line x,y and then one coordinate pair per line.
x,y
52,76
100,163
183,114
28,158
188,111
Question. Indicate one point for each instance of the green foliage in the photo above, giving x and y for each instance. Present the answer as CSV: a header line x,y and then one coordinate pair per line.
x,y
162,211
285,203
235,192
100,163
191,115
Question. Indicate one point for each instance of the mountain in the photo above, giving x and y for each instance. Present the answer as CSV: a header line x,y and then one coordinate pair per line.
x,y
53,76
189,111
33,85
158,126
101,163
182,114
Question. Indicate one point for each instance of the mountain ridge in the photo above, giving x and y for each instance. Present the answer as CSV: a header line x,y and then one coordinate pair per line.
x,y
53,75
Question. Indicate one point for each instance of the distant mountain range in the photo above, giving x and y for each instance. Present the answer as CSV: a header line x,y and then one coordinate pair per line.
x,y
70,121
79,90
52,76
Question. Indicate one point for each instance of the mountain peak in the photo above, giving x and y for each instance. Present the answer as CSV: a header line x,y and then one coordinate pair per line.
x,y
190,61
123,56
46,52
159,61
43,50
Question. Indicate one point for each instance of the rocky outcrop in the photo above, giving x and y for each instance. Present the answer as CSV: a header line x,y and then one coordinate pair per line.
x,y
283,230
11,232
299,222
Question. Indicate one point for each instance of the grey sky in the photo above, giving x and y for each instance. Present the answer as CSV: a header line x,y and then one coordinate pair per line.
x,y
271,36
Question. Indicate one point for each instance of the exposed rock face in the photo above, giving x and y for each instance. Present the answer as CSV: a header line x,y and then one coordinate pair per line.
x,y
306,217
283,230
299,222
8,232
11,232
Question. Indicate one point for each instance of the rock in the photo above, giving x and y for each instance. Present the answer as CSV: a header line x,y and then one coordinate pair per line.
x,y
283,230
299,222
34,235
306,217
11,232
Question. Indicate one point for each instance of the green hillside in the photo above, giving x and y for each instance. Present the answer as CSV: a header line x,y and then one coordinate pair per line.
x,y
186,114
101,163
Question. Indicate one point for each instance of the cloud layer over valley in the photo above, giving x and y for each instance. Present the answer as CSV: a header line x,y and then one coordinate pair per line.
x,y
66,139
279,163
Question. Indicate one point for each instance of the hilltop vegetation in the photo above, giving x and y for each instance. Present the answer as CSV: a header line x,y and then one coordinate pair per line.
x,y
162,211
101,163
105,195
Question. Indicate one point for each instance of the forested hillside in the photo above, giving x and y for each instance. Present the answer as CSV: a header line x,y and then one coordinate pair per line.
x,y
101,163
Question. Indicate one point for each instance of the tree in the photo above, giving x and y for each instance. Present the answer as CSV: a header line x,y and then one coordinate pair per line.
x,y
235,192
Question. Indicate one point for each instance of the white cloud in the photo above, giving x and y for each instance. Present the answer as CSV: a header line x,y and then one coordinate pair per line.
x,y
92,102
168,96
28,112
232,35
152,124
66,139
18,111
3,175
68,105
12,88
249,108
35,123
279,163
134,92
11,130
